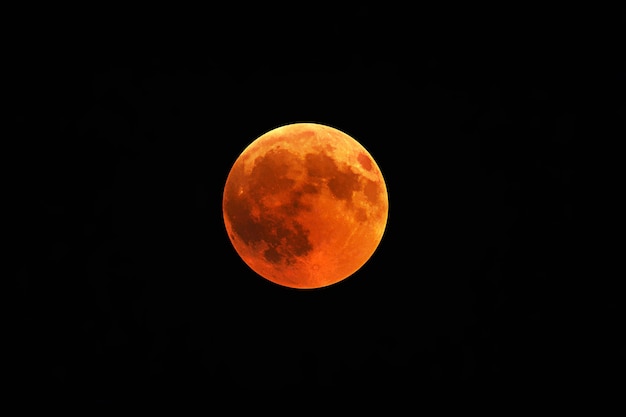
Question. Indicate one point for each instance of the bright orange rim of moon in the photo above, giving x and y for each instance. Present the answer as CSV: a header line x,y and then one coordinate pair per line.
x,y
305,205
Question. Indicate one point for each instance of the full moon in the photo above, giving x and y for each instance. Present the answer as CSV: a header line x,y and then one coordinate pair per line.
x,y
305,205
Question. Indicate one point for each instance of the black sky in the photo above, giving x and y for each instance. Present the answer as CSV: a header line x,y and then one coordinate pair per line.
x,y
129,287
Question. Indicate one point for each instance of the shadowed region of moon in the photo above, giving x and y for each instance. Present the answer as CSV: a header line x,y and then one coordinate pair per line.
x,y
305,206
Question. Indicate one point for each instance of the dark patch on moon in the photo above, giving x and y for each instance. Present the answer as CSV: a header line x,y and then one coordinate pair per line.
x,y
286,238
340,182
249,229
320,165
361,215
310,189
272,255
307,134
269,173
343,184
372,191
295,204
365,161
291,242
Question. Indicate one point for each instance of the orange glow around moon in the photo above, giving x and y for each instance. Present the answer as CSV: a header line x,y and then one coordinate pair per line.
x,y
305,205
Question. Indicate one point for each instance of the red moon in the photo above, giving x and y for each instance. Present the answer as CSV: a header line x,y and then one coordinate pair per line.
x,y
305,205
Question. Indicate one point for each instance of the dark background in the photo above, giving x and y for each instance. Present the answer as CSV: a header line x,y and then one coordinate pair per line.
x,y
480,119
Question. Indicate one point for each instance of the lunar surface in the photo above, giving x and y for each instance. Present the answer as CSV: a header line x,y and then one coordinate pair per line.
x,y
305,205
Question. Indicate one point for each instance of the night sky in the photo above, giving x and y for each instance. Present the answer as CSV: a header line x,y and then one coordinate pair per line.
x,y
129,289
